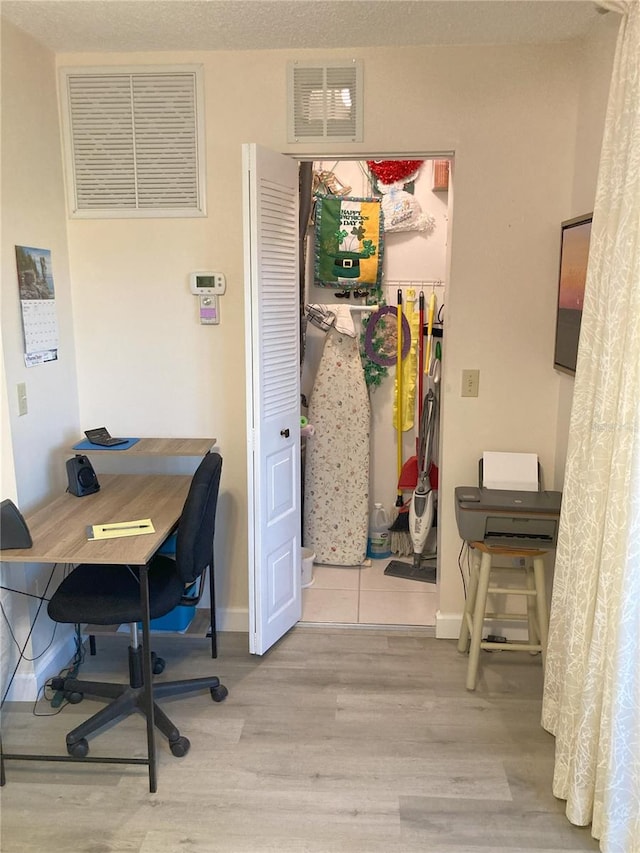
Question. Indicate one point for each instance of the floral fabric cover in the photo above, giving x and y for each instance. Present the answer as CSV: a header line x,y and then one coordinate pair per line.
x,y
336,491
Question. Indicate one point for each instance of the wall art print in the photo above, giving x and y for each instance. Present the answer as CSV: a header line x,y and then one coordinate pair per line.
x,y
349,245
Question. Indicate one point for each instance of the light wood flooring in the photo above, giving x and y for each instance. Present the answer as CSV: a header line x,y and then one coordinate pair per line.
x,y
337,740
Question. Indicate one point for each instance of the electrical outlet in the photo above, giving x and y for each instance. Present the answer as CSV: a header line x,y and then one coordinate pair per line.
x,y
470,383
22,398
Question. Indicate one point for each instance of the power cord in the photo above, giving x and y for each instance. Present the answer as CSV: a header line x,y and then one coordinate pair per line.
x,y
21,654
68,672
464,582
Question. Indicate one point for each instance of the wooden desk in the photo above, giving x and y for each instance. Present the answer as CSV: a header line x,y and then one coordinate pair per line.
x,y
160,447
58,531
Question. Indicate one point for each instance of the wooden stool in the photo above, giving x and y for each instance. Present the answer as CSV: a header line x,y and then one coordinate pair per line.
x,y
475,606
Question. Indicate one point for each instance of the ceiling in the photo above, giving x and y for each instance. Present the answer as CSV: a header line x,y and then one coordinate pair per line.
x,y
182,25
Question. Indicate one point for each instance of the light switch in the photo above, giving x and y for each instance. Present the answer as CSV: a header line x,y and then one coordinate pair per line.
x,y
22,398
470,383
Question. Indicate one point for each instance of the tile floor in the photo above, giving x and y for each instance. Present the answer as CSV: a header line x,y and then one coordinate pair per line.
x,y
365,595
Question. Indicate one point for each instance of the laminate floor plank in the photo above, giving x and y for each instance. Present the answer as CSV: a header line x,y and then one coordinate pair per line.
x,y
338,740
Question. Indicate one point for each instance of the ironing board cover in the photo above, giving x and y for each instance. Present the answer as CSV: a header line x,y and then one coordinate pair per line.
x,y
336,493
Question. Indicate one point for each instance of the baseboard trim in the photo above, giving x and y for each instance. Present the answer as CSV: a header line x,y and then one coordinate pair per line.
x,y
26,686
448,625
233,619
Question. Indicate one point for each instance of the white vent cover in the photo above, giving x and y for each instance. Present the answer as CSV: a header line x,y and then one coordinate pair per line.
x,y
134,141
324,101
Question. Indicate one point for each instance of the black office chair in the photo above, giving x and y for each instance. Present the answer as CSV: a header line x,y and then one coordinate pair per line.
x,y
110,595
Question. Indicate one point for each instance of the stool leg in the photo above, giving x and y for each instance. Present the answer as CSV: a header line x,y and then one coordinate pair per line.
x,y
478,620
541,600
532,605
463,638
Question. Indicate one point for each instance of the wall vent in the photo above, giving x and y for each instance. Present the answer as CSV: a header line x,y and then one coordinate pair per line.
x,y
324,101
134,141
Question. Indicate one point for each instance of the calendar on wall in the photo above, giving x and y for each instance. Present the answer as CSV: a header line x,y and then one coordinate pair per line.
x,y
38,303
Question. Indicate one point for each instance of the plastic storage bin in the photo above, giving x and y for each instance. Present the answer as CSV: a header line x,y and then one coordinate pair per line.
x,y
307,566
177,619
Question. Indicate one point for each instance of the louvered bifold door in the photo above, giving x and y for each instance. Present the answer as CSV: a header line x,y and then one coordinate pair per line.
x,y
273,394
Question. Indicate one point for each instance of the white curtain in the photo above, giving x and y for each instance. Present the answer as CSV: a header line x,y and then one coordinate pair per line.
x,y
592,683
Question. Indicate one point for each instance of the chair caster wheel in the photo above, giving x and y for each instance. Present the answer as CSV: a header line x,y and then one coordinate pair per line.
x,y
79,749
180,747
157,664
219,693
73,697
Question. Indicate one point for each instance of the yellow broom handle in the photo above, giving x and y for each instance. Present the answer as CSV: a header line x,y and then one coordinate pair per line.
x,y
432,311
399,388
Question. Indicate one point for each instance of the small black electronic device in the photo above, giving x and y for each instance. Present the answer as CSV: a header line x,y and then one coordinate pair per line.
x,y
101,437
82,478
14,532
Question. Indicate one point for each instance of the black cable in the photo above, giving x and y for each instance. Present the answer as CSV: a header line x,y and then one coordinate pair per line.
x,y
22,592
21,655
58,699
464,583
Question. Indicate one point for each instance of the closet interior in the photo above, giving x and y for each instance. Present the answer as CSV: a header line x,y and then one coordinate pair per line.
x,y
375,262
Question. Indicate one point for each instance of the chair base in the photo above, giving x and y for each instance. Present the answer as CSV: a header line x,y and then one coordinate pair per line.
x,y
127,698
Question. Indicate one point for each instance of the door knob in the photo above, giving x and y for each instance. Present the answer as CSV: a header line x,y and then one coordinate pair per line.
x,y
284,433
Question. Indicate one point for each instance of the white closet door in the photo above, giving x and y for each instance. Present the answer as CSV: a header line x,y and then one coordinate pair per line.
x,y
270,207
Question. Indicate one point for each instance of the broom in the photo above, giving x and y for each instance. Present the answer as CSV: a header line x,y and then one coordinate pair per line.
x,y
400,538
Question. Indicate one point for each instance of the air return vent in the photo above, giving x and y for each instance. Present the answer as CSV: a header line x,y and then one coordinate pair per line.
x,y
325,101
134,141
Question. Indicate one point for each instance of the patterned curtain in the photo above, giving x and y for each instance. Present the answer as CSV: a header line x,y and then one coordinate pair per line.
x,y
592,683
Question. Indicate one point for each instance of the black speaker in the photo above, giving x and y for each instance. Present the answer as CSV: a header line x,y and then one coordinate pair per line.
x,y
14,532
82,478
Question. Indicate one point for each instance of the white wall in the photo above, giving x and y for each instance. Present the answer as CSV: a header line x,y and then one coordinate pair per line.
x,y
510,115
596,62
35,445
145,366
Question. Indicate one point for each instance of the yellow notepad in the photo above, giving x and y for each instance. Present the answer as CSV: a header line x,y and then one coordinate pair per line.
x,y
120,528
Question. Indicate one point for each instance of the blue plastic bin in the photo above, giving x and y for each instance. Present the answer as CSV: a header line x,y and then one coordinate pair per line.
x,y
181,616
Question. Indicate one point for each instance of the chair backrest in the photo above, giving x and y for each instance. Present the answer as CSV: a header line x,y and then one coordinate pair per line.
x,y
194,543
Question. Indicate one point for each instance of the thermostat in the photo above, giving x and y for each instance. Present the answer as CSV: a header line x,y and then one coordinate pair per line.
x,y
207,283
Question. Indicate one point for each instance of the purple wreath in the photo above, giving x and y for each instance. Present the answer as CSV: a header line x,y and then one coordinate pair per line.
x,y
377,357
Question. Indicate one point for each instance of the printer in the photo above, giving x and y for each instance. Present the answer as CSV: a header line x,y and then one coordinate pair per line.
x,y
508,518
508,508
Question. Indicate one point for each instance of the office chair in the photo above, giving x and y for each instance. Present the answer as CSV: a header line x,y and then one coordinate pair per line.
x,y
110,595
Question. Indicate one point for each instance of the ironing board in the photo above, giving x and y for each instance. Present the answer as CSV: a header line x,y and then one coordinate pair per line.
x,y
336,493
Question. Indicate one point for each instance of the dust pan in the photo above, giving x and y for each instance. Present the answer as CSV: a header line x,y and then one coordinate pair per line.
x,y
408,479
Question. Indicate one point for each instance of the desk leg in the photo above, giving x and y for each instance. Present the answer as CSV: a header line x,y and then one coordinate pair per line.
x,y
148,677
212,597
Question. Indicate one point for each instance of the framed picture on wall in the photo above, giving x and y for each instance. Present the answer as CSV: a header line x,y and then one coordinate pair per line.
x,y
574,254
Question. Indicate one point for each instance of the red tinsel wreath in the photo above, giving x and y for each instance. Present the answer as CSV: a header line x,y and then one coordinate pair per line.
x,y
390,171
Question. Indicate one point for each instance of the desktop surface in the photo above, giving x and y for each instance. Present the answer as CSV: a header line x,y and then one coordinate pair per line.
x,y
59,529
155,446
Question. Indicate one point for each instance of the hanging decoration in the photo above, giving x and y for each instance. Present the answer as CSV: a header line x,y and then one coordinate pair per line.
x,y
327,183
393,171
402,212
348,242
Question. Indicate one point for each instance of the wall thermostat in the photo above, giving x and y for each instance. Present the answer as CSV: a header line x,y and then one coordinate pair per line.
x,y
207,283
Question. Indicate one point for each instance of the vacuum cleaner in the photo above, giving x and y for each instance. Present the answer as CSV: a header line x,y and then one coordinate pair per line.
x,y
422,504
420,518
421,507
